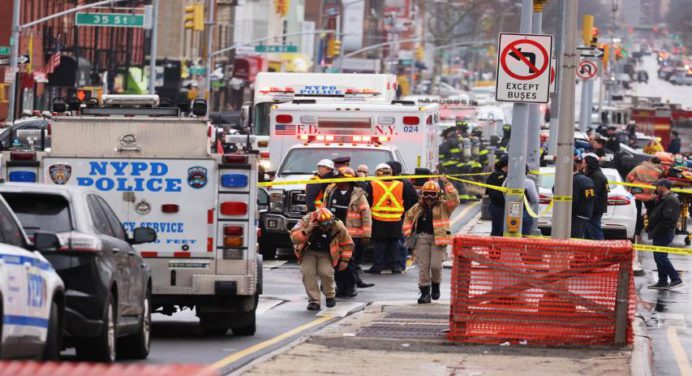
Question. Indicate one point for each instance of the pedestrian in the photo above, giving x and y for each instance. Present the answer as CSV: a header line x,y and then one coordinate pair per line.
x,y
386,200
583,197
646,173
321,244
675,143
410,199
531,198
663,220
349,204
340,162
613,143
362,171
427,228
592,169
497,197
315,191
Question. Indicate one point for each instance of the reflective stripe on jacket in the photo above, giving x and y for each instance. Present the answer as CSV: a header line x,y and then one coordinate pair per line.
x,y
358,216
340,248
440,211
646,173
388,200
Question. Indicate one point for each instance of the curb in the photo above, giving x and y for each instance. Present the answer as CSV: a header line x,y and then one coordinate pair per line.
x,y
641,360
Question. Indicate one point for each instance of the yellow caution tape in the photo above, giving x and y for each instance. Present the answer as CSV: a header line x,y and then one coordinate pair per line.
x,y
647,186
530,211
501,189
367,178
515,191
562,198
656,248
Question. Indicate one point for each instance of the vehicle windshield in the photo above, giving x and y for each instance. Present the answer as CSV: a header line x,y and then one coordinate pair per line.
x,y
260,125
304,161
40,212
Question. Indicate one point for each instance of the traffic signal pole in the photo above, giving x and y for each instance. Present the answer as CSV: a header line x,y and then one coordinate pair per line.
x,y
562,208
209,30
514,199
555,101
152,52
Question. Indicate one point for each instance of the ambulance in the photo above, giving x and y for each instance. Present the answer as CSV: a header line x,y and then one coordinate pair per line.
x,y
156,169
272,88
368,133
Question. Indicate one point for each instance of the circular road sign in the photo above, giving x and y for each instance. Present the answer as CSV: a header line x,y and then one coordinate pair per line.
x,y
514,50
587,69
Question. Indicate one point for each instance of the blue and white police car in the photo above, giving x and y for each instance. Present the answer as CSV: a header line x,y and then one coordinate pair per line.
x,y
31,293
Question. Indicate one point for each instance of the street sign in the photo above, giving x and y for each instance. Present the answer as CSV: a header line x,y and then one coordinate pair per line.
x,y
587,69
4,50
10,75
22,59
553,75
109,19
198,70
274,49
523,73
590,51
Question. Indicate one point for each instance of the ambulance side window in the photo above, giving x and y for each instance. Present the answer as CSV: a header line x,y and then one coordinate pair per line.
x,y
98,217
10,232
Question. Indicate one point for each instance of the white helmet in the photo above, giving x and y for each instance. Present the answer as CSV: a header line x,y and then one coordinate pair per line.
x,y
326,163
383,166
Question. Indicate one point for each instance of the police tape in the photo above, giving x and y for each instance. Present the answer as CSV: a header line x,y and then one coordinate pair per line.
x,y
366,178
533,214
636,247
628,184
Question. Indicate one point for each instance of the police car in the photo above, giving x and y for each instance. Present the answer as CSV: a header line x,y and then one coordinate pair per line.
x,y
31,293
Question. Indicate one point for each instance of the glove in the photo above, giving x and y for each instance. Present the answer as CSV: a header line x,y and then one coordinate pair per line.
x,y
343,264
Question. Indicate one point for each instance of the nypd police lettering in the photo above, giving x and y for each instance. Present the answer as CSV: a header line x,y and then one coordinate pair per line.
x,y
130,177
320,90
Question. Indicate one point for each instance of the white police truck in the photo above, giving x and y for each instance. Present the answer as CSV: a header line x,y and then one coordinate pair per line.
x,y
31,293
159,169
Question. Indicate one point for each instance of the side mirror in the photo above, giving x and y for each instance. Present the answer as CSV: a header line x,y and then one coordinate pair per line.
x,y
271,174
46,242
143,235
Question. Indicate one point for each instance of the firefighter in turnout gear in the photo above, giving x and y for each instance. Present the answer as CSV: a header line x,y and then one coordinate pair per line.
x,y
427,228
464,162
314,192
506,133
452,157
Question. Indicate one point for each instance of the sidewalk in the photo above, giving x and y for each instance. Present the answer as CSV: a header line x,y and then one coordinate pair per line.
x,y
410,339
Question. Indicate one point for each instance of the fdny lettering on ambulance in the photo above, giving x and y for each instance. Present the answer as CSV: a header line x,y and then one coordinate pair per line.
x,y
129,177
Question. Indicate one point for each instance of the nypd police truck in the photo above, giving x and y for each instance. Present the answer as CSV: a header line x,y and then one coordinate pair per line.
x,y
159,169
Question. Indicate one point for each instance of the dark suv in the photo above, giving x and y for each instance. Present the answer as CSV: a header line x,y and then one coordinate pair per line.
x,y
107,284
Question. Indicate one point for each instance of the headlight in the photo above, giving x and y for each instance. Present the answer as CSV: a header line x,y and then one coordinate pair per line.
x,y
276,202
266,164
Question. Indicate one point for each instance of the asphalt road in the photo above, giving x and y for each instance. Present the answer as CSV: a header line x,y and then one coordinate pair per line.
x,y
282,315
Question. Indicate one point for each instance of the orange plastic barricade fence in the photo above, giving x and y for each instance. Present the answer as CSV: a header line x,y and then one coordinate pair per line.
x,y
542,291
30,368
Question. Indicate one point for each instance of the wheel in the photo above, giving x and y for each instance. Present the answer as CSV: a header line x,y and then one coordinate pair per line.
x,y
213,324
688,240
246,330
102,348
53,345
137,346
268,251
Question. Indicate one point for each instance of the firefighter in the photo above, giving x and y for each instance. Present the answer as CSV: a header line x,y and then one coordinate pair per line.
x,y
463,127
315,191
350,205
482,148
645,173
506,134
452,158
386,200
584,197
321,244
427,227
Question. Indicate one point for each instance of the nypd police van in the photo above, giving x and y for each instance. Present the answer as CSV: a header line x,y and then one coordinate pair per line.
x,y
158,169
31,293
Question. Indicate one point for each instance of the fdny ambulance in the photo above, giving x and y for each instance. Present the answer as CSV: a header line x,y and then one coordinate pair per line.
x,y
274,88
157,169
368,133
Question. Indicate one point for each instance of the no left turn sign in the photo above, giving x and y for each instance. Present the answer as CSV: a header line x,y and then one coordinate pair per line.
x,y
523,69
587,69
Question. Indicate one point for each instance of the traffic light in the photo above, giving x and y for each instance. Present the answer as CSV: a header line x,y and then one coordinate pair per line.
x,y
194,17
333,47
587,29
606,55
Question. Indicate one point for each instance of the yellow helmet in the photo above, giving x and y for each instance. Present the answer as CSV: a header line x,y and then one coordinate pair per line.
x,y
347,172
323,216
431,186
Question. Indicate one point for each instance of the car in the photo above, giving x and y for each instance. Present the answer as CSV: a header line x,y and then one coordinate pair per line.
x,y
107,284
618,222
629,158
681,77
32,295
27,133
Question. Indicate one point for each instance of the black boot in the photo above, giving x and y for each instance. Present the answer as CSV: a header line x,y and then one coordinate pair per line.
x,y
361,284
435,291
424,294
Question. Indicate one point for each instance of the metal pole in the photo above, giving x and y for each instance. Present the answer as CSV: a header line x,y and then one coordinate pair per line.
x,y
562,209
555,102
514,200
14,53
210,39
589,101
583,106
152,53
533,143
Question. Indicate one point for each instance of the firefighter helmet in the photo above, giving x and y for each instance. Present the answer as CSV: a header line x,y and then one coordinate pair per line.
x,y
431,186
323,216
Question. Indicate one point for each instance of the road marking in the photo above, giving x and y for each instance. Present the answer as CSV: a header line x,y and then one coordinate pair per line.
x,y
463,213
263,345
679,352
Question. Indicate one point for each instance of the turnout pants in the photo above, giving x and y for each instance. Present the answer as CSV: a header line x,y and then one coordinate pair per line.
x,y
316,264
429,258
387,253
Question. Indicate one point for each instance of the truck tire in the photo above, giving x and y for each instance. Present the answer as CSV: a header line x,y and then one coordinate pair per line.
x,y
103,347
214,324
268,250
137,346
53,345
246,330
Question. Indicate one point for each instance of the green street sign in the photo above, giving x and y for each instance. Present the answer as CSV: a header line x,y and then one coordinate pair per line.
x,y
275,49
110,19
197,70
4,50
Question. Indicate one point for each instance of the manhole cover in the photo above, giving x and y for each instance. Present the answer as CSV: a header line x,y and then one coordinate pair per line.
x,y
418,316
404,330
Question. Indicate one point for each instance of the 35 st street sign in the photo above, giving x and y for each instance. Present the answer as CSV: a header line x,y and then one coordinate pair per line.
x,y
110,19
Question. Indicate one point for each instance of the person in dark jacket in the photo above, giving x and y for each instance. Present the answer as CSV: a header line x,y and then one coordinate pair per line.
x,y
497,198
612,143
593,170
583,197
675,143
410,197
662,222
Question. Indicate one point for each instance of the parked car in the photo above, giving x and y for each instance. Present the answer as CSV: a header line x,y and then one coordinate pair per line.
x,y
32,296
619,220
681,77
107,284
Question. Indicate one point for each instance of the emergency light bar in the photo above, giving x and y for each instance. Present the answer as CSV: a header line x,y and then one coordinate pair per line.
x,y
130,100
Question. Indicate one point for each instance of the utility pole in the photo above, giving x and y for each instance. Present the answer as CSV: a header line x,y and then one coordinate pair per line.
x,y
209,30
152,52
555,102
14,53
562,209
514,201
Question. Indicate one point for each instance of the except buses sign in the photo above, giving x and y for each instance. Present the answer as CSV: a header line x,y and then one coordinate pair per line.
x,y
523,69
